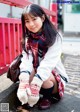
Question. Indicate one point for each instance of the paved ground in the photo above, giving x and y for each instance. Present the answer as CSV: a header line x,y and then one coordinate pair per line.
x,y
4,82
71,45
72,65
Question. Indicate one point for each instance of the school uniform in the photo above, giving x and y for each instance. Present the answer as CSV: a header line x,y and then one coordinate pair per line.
x,y
46,61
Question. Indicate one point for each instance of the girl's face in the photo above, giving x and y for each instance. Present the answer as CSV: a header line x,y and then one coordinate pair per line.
x,y
33,24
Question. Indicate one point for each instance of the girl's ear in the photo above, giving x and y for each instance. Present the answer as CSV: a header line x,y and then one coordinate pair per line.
x,y
43,17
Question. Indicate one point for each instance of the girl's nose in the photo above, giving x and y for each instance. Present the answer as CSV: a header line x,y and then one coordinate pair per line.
x,y
31,23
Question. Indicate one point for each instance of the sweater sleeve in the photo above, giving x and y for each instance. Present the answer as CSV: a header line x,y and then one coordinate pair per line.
x,y
50,60
26,62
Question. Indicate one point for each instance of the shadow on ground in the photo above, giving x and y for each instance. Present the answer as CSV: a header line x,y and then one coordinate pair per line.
x,y
69,103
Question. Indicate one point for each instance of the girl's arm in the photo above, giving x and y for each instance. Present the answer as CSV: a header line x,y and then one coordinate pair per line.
x,y
26,67
50,60
26,64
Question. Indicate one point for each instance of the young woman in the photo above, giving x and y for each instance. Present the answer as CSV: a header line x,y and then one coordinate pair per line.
x,y
41,70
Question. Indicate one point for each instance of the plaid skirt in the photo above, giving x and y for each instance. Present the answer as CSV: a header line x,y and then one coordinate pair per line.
x,y
60,83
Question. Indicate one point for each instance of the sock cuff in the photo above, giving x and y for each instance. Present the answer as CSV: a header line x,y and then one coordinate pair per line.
x,y
47,92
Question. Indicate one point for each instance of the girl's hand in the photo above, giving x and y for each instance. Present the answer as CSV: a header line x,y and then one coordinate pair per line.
x,y
35,88
24,88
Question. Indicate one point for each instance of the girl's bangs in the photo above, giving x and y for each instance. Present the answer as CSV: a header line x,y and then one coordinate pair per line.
x,y
31,14
31,11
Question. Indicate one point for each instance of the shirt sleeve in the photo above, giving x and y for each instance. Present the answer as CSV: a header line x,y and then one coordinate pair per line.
x,y
26,62
50,60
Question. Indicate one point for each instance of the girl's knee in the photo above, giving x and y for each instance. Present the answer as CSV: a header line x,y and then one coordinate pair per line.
x,y
50,82
47,84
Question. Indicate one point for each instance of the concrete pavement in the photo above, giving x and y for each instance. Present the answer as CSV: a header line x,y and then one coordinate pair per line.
x,y
72,65
71,45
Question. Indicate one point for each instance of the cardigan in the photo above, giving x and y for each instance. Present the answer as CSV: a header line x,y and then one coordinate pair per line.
x,y
51,60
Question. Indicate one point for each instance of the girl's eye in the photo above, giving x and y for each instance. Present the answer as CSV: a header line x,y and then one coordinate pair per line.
x,y
26,21
34,18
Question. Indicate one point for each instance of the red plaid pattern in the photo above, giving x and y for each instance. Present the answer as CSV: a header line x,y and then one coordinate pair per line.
x,y
33,44
60,84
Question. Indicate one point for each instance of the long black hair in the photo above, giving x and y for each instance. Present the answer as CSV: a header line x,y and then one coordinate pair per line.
x,y
48,28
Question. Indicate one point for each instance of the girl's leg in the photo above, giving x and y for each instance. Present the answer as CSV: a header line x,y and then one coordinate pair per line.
x,y
49,83
49,87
